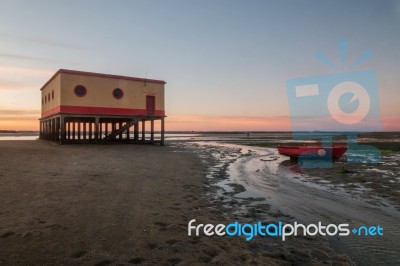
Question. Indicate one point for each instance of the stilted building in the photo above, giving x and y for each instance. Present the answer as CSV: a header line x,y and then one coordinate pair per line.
x,y
80,107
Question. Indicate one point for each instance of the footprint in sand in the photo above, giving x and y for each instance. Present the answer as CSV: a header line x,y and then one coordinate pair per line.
x,y
79,254
174,261
152,245
171,241
103,263
136,260
162,226
7,234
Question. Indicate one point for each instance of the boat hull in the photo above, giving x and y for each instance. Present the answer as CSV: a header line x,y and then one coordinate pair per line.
x,y
313,151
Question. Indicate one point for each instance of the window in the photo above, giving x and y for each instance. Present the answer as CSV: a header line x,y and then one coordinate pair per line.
x,y
80,91
118,93
52,95
45,98
48,96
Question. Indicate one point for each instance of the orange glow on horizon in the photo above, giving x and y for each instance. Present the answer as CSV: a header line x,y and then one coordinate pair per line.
x,y
26,124
226,123
198,123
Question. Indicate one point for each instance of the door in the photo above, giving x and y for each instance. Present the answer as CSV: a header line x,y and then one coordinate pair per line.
x,y
150,104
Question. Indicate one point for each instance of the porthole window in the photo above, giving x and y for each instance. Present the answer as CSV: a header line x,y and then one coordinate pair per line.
x,y
118,93
52,95
80,91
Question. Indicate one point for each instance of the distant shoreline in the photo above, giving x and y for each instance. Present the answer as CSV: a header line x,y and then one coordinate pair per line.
x,y
225,132
18,132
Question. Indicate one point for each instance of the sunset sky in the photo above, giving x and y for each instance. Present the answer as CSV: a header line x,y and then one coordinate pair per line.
x,y
226,62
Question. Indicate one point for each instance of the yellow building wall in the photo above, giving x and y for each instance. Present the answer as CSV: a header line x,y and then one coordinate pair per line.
x,y
99,92
52,86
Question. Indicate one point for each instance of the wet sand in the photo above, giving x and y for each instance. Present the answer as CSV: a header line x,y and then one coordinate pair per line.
x,y
118,205
259,184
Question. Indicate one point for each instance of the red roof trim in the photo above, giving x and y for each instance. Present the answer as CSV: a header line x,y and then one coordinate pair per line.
x,y
66,109
83,73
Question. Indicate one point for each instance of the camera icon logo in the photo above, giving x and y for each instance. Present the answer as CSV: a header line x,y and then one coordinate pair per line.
x,y
359,94
338,104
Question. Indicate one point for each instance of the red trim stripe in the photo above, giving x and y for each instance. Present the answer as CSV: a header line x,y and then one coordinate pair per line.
x,y
65,109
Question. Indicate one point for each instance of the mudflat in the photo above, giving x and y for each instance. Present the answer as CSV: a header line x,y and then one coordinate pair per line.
x,y
115,204
101,204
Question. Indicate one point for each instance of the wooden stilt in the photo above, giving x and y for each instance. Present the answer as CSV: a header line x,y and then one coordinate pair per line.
x,y
101,133
57,129
96,129
162,131
49,130
152,130
143,130
62,130
52,129
69,130
128,133
136,131
84,130
113,126
90,131
73,130
79,129
120,134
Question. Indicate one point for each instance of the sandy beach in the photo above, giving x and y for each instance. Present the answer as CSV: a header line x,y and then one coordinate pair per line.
x,y
121,205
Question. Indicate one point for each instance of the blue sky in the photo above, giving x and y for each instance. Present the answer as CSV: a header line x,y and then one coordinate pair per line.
x,y
220,58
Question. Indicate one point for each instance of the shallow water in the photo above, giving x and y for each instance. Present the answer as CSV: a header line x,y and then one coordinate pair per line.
x,y
172,137
19,137
264,173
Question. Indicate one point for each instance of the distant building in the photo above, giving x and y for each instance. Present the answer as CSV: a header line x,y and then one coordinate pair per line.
x,y
90,107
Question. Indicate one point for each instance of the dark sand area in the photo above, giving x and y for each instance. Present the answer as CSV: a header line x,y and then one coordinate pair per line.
x,y
117,205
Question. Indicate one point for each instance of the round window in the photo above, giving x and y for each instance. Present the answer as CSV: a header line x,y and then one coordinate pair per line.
x,y
118,93
80,91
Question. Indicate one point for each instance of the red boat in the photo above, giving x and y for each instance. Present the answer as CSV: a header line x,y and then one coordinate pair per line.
x,y
313,151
